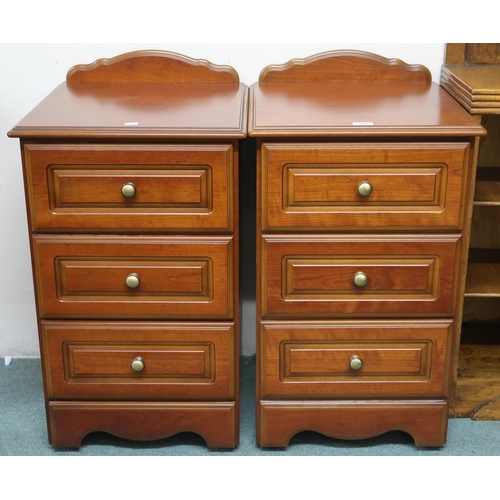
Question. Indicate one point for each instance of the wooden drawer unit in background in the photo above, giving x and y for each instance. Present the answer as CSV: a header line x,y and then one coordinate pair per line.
x,y
471,75
131,175
364,172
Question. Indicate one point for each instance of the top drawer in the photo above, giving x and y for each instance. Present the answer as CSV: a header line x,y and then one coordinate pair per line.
x,y
385,185
130,188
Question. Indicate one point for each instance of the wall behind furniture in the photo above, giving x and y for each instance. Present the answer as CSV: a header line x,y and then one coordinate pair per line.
x,y
31,71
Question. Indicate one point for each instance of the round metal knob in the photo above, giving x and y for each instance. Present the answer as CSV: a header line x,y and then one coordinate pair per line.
x,y
356,363
360,279
138,364
129,190
365,188
132,280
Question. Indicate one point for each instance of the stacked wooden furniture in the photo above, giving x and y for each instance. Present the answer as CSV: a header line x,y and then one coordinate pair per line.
x,y
364,196
472,76
131,175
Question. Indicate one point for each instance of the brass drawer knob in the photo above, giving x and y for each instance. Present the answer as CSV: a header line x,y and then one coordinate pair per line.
x,y
360,279
132,280
138,364
365,188
356,363
129,190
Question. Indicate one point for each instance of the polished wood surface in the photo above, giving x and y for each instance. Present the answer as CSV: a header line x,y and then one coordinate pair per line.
x,y
425,421
71,421
471,75
151,66
364,199
347,109
183,361
310,186
313,276
137,95
345,66
131,179
150,111
179,188
179,277
310,360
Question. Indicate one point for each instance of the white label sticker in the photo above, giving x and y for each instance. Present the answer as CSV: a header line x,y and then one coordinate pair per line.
x,y
362,123
130,124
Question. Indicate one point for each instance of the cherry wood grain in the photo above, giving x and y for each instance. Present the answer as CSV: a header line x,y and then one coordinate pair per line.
x,y
179,187
169,125
151,94
310,186
345,66
183,361
151,66
217,423
324,125
313,276
85,277
149,111
425,421
361,110
310,360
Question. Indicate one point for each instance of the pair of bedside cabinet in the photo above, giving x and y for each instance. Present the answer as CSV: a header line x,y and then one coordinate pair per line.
x,y
365,170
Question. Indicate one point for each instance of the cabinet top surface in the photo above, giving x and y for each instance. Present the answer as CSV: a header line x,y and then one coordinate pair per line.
x,y
356,109
146,110
477,78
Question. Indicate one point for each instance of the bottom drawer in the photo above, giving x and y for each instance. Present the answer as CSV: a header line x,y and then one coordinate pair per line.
x,y
355,359
138,361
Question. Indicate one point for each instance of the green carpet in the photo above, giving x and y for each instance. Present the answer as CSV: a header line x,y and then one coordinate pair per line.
x,y
23,429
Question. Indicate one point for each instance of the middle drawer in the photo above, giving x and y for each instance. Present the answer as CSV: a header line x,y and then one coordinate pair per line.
x,y
320,276
134,277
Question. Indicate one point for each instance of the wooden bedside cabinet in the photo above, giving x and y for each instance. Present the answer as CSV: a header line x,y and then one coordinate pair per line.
x,y
131,176
364,175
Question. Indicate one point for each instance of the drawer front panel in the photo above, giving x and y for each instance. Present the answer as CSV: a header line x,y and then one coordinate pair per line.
x,y
171,187
341,275
134,277
85,360
320,186
398,359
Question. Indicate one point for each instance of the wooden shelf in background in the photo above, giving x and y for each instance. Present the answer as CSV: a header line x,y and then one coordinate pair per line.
x,y
487,193
483,280
471,74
